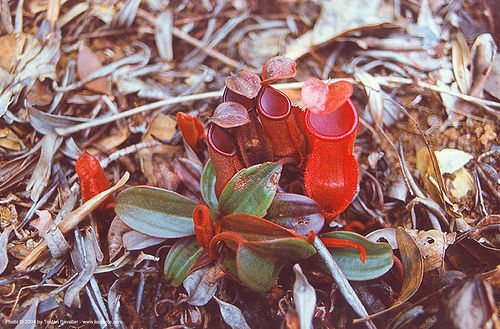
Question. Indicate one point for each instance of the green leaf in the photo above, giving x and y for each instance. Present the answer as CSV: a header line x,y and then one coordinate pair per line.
x,y
156,212
378,257
251,190
207,184
256,271
180,260
296,212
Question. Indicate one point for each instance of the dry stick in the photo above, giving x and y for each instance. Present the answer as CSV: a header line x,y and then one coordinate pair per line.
x,y
339,277
197,43
388,80
137,110
292,85
208,50
72,220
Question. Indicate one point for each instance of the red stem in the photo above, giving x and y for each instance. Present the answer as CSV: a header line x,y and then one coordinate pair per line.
x,y
341,243
237,239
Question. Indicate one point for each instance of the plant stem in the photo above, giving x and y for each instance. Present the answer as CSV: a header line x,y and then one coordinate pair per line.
x,y
339,277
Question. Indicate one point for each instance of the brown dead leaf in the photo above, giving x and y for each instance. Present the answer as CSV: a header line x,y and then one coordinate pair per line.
x,y
155,161
163,127
488,136
39,94
115,234
461,60
460,185
115,139
86,63
469,304
492,84
432,245
12,48
337,19
9,140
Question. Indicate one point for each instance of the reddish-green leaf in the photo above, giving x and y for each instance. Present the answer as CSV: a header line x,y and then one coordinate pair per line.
x,y
287,249
296,212
253,228
207,184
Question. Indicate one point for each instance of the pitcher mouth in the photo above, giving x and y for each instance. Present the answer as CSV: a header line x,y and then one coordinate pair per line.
x,y
221,140
230,96
333,126
273,104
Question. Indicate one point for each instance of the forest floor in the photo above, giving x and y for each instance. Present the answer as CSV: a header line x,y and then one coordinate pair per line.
x,y
109,77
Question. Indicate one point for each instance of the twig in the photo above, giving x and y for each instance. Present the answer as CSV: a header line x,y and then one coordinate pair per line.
x,y
137,110
72,220
197,43
293,85
339,277
128,150
386,81
208,50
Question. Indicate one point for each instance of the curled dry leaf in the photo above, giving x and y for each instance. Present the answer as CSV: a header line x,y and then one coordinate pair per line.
x,y
304,297
43,222
412,263
468,304
115,234
133,240
322,98
86,63
85,262
41,175
232,315
56,242
230,115
278,67
201,285
245,83
28,319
